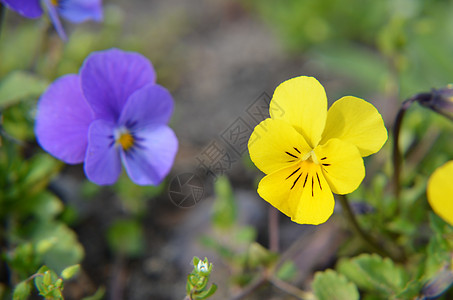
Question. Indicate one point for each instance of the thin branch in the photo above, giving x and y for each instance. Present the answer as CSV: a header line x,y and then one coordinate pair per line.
x,y
273,229
251,287
290,289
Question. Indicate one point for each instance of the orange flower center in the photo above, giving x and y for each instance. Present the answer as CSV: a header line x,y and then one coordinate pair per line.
x,y
126,140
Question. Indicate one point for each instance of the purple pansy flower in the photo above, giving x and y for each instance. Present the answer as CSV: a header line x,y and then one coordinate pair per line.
x,y
111,112
76,11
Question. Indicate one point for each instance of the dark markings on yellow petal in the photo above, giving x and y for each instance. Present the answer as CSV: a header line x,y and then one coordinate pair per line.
x,y
293,173
319,181
312,186
296,181
296,150
291,154
305,181
324,158
326,165
292,160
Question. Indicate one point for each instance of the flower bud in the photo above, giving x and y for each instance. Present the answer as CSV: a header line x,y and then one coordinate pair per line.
x,y
440,101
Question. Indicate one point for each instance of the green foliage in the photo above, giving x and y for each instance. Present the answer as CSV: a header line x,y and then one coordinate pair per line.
x,y
225,209
22,290
287,271
48,284
329,285
374,274
197,280
18,86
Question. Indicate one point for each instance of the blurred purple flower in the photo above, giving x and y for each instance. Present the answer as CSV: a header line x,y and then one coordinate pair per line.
x,y
111,112
76,11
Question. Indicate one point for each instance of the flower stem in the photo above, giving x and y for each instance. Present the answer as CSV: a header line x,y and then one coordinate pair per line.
x,y
273,229
368,240
397,159
290,289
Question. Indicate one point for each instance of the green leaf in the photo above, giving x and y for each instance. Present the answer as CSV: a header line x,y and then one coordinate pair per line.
x,y
65,249
45,280
99,295
207,293
44,205
374,273
41,168
330,285
260,256
126,237
22,290
20,85
287,271
224,208
70,271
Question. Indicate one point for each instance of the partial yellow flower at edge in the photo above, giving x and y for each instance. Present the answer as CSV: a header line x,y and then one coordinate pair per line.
x,y
440,192
308,152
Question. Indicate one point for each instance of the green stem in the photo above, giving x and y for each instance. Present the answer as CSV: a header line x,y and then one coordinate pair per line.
x,y
368,240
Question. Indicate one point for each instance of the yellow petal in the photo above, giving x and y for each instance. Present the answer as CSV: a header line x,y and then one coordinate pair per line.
x,y
300,192
302,102
315,199
358,122
440,192
275,144
341,165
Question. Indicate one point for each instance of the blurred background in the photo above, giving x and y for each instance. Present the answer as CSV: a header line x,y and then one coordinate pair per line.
x,y
221,60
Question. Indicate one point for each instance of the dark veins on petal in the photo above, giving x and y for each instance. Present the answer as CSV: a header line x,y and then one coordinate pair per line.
x,y
306,176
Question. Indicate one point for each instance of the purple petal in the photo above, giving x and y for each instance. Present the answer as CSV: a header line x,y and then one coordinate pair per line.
x,y
27,8
102,161
52,11
62,120
109,77
150,161
78,11
150,105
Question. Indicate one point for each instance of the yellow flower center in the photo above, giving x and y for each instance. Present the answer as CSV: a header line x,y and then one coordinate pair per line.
x,y
308,169
125,139
54,2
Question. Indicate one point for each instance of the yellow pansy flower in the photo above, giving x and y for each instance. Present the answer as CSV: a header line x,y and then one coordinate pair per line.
x,y
440,192
308,152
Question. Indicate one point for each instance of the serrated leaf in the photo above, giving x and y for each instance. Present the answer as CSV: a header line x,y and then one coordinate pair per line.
x,y
411,290
20,85
374,273
330,285
22,290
